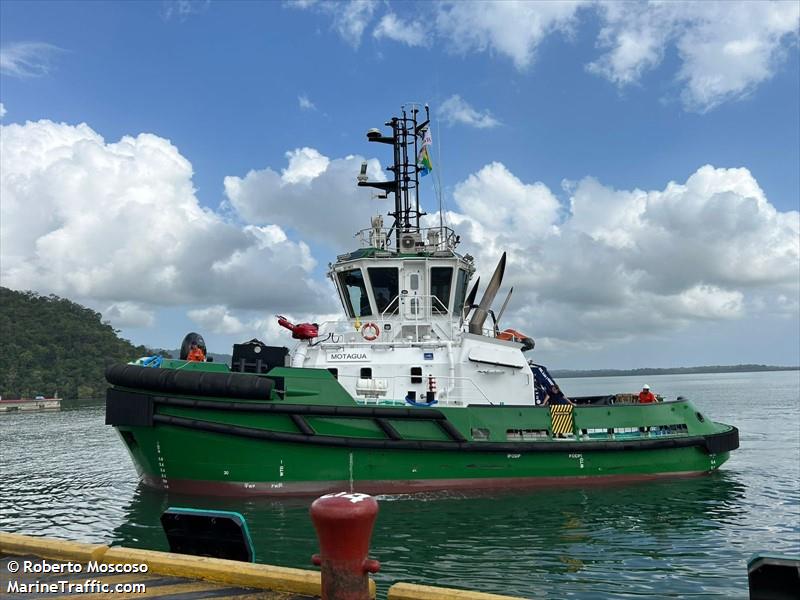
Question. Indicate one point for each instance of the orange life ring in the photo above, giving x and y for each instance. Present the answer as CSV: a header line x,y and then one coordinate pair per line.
x,y
374,330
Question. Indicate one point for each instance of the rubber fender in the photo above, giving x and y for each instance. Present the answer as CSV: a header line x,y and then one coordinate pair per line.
x,y
193,383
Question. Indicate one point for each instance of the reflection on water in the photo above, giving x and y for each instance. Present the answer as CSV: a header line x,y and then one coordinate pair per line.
x,y
67,475
522,543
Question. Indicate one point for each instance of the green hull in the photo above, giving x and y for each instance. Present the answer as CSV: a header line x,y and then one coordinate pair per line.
x,y
312,438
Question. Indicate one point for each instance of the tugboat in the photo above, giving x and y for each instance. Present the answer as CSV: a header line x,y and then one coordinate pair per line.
x,y
412,390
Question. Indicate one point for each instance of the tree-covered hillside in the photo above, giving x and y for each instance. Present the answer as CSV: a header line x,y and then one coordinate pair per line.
x,y
49,344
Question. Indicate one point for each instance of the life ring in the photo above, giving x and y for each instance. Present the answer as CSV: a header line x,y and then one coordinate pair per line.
x,y
370,331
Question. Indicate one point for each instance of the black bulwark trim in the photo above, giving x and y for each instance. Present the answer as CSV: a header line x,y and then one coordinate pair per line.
x,y
195,383
128,408
388,429
317,410
389,444
302,424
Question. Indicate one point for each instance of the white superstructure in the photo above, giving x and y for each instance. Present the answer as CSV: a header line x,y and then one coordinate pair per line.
x,y
405,338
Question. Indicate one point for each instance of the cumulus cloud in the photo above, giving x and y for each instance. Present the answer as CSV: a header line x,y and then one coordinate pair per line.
x,y
457,110
27,59
119,222
218,319
726,49
129,314
315,196
411,33
513,28
2,110
624,262
349,18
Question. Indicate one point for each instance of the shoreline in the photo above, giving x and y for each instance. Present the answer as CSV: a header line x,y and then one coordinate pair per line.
x,y
709,370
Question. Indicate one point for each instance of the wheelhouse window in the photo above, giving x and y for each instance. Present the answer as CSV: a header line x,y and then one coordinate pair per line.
x,y
461,290
355,293
385,285
441,281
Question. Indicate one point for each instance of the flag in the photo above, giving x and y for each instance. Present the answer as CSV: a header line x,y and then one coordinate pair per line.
x,y
424,157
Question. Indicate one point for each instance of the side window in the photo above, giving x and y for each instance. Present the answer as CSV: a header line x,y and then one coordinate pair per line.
x,y
384,281
441,281
416,374
355,293
366,373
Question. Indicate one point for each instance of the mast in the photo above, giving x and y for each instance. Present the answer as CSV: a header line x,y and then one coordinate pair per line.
x,y
405,136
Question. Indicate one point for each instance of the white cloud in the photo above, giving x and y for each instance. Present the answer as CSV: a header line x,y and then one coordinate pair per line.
x,y
305,103
511,28
411,33
726,48
456,110
636,35
129,314
183,9
218,319
119,222
627,262
27,59
305,165
351,18
315,196
3,110
732,49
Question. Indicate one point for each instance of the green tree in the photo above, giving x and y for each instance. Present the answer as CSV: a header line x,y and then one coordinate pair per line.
x,y
50,344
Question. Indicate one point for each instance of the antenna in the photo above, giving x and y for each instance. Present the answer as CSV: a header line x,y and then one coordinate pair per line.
x,y
405,136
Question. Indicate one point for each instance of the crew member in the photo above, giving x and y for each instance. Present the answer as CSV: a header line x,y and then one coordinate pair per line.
x,y
646,396
556,396
196,353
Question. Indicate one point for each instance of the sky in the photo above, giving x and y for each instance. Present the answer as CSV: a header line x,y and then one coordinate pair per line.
x,y
191,165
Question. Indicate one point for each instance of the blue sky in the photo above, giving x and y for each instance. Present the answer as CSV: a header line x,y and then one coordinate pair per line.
x,y
573,135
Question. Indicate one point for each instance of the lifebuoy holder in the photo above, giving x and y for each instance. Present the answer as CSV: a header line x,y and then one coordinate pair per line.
x,y
370,331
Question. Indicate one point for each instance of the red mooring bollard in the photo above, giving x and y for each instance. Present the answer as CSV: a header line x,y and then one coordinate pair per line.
x,y
344,526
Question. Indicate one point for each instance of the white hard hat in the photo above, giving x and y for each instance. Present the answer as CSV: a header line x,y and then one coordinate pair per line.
x,y
646,387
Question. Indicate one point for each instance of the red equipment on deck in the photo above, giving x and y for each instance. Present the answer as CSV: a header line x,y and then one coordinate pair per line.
x,y
301,331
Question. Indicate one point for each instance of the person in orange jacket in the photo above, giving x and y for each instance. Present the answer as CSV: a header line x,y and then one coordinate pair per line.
x,y
646,396
196,353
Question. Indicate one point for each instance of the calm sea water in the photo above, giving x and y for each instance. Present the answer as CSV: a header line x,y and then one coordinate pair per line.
x,y
67,475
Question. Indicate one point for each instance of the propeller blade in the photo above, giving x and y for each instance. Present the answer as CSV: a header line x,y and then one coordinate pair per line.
x,y
480,314
503,308
470,299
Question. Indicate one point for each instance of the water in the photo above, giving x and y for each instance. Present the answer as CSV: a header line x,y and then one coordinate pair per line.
x,y
67,475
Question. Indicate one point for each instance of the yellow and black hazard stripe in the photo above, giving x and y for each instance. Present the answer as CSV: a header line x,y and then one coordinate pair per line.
x,y
561,415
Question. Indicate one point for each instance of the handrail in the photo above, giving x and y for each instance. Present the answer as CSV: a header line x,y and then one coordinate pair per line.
x,y
432,238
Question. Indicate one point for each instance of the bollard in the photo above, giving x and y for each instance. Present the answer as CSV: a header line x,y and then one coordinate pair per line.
x,y
344,526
